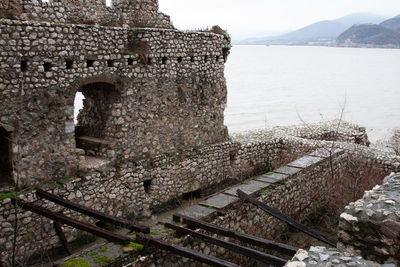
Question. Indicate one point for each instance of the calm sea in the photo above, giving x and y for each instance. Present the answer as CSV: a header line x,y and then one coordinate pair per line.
x,y
282,85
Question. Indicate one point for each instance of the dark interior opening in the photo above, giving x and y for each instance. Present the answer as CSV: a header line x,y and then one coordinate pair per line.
x,y
164,60
205,58
191,58
47,66
24,65
130,61
68,64
147,186
217,58
89,63
225,52
192,195
96,114
5,158
110,63
179,59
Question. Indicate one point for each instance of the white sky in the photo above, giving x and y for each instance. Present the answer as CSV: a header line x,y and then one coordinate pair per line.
x,y
252,18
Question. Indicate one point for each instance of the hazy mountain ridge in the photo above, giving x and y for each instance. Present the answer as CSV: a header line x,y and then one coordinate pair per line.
x,y
319,33
384,35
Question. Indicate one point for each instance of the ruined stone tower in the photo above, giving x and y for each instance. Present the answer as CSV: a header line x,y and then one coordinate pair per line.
x,y
149,89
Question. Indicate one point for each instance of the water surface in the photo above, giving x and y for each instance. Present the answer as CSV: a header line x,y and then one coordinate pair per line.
x,y
278,85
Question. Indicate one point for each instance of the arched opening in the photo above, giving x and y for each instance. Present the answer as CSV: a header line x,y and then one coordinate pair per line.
x,y
5,158
93,117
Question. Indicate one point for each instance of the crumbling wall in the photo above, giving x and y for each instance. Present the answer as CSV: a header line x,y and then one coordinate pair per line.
x,y
137,13
169,96
370,227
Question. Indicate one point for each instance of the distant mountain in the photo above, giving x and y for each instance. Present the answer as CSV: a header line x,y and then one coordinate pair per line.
x,y
322,32
393,24
385,35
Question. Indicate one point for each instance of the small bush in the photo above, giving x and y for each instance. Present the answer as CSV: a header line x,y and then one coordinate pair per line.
x,y
218,30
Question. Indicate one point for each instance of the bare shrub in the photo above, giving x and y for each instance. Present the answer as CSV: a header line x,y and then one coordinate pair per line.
x,y
394,142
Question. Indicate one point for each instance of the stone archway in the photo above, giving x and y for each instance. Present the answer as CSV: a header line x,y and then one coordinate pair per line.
x,y
5,158
94,131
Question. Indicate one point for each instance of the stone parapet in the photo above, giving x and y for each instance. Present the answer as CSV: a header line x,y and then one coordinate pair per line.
x,y
370,227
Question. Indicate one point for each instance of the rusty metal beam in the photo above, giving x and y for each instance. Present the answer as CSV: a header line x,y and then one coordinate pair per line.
x,y
249,252
185,252
93,213
110,236
252,240
277,214
61,235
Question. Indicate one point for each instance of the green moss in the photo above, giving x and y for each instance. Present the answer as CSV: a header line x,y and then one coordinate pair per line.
x,y
265,191
93,253
270,173
103,260
103,248
77,262
11,195
135,246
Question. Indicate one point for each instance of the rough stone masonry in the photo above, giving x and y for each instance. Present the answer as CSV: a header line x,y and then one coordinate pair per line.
x,y
148,91
151,128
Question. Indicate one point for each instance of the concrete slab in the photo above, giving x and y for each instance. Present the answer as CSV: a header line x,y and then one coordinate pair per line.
x,y
197,211
288,170
249,187
305,162
219,201
325,152
272,178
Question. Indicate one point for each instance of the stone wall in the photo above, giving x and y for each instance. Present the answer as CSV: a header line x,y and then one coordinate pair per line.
x,y
136,189
370,227
133,13
163,90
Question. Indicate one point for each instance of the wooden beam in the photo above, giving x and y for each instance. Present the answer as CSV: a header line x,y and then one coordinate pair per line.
x,y
93,213
277,214
252,240
185,252
61,235
110,236
249,252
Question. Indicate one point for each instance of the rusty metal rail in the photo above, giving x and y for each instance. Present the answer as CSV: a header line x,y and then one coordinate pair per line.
x,y
249,252
277,214
185,252
93,213
252,240
110,236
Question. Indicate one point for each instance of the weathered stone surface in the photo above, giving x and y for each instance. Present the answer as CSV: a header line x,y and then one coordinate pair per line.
x,y
219,201
197,211
372,222
305,162
249,187
321,256
288,170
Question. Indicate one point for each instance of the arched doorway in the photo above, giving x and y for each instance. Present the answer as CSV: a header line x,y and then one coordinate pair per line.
x,y
5,158
94,122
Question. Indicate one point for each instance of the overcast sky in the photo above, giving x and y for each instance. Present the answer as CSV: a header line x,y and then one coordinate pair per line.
x,y
249,18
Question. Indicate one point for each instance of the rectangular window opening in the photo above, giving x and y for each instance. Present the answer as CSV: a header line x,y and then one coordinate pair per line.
x,y
24,65
110,63
147,186
47,66
89,63
69,64
130,61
